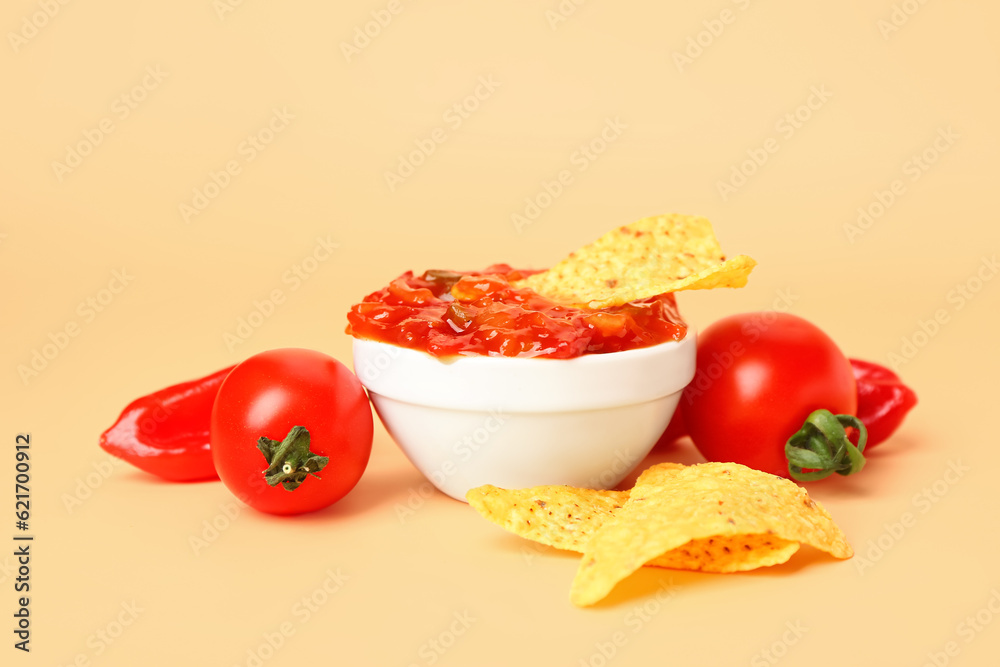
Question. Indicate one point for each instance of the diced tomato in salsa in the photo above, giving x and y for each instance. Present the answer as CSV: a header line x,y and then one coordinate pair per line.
x,y
479,313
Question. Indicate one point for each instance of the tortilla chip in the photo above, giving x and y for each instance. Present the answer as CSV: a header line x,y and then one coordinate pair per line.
x,y
670,507
655,255
564,517
711,517
567,517
728,553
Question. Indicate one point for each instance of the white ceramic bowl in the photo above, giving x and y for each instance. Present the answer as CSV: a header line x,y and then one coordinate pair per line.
x,y
517,423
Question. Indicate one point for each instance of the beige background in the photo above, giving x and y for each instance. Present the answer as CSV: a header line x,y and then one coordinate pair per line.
x,y
202,80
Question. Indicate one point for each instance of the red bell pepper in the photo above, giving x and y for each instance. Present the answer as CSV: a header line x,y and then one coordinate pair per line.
x,y
166,432
883,399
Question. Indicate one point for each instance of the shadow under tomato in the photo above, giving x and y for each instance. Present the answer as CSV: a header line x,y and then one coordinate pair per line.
x,y
899,445
376,488
875,477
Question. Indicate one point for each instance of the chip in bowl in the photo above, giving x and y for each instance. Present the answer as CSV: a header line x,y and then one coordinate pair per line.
x,y
655,255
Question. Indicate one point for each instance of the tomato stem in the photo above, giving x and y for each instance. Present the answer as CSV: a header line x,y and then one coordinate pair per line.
x,y
290,460
822,448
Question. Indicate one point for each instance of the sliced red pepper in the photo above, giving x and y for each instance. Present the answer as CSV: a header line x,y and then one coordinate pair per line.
x,y
166,432
883,400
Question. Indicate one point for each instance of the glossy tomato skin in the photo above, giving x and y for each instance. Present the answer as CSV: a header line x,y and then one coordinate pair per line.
x,y
758,376
675,430
268,394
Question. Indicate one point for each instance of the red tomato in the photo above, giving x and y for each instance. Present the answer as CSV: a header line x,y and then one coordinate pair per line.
x,y
759,375
675,430
267,396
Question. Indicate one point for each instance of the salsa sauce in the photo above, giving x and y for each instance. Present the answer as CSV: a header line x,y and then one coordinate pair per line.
x,y
479,313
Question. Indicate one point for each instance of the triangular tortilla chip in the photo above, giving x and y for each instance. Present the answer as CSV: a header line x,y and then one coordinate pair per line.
x,y
655,255
669,507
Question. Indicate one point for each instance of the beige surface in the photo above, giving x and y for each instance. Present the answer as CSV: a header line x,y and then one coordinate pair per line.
x,y
202,83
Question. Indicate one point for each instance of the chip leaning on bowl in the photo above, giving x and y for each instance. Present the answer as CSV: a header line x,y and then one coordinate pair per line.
x,y
520,378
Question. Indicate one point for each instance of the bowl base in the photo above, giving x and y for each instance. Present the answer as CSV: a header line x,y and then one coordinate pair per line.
x,y
459,450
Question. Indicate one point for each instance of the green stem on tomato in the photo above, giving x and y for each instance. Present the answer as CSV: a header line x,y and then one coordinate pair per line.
x,y
821,447
290,460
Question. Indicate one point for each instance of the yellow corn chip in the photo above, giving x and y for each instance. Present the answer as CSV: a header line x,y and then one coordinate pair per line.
x,y
669,507
728,553
564,517
666,253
